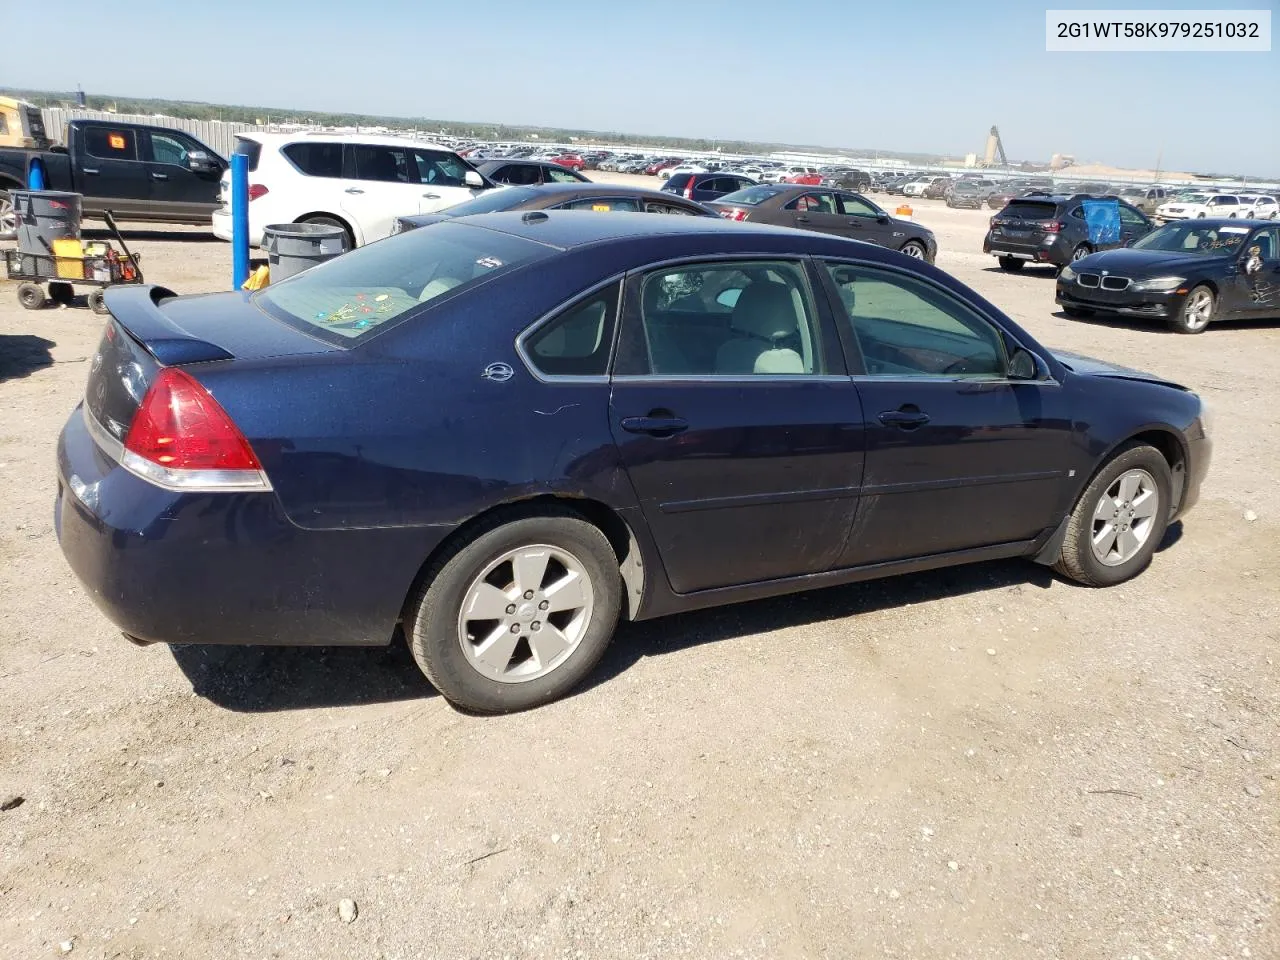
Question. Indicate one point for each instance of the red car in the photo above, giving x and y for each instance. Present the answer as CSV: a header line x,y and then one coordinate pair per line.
x,y
808,179
570,160
653,168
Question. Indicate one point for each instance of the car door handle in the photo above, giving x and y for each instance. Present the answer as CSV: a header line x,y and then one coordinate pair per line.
x,y
802,219
93,173
657,426
159,176
907,418
431,196
353,190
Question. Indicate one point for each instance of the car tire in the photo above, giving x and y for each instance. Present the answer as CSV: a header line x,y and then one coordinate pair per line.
x,y
1196,312
97,300
915,250
333,222
1012,264
437,631
1077,313
1080,252
1134,467
31,296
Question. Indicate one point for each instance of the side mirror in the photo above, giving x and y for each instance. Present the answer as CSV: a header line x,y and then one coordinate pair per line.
x,y
1025,365
473,179
882,218
199,161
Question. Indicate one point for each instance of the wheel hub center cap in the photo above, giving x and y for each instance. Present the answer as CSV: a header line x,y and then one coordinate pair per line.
x,y
526,611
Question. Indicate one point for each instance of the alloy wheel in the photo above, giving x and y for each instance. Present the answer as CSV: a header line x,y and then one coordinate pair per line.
x,y
1124,518
1079,253
8,218
914,250
526,613
1199,309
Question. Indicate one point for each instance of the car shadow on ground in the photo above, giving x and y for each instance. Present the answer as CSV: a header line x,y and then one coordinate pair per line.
x,y
1158,325
22,354
270,679
1045,271
160,236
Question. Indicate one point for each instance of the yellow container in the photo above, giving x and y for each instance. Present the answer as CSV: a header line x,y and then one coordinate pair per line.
x,y
70,258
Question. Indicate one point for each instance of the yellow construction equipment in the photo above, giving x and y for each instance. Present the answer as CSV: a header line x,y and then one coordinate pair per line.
x,y
21,125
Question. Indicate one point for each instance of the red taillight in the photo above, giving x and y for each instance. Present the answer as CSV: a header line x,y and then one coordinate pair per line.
x,y
1051,226
181,427
257,190
734,214
688,189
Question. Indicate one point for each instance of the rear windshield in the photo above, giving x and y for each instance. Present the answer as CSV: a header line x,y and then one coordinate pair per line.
x,y
752,195
248,148
493,201
359,294
678,180
1024,210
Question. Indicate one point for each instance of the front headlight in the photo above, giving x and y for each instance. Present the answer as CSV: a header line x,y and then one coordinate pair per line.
x,y
1067,274
1164,284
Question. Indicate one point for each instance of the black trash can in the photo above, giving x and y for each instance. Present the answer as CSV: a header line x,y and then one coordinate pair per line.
x,y
44,216
294,247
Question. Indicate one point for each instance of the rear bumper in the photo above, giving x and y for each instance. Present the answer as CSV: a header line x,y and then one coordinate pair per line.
x,y
222,227
1036,252
231,568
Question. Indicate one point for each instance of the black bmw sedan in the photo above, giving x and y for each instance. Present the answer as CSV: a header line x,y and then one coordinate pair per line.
x,y
506,432
1187,273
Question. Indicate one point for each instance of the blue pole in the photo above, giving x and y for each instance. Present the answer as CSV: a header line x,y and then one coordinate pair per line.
x,y
35,175
239,220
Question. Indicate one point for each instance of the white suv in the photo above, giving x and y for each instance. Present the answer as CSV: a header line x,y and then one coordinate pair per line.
x,y
1197,206
359,183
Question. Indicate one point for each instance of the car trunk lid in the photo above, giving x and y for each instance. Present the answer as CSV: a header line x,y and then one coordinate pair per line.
x,y
151,328
1026,220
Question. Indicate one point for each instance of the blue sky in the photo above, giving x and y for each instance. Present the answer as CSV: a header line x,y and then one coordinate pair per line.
x,y
927,75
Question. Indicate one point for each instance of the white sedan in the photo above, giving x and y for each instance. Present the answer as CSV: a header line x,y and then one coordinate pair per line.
x,y
666,172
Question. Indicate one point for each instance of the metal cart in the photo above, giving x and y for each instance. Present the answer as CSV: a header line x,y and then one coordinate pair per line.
x,y
64,274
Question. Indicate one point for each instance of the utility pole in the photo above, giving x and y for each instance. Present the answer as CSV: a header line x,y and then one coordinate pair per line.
x,y
1159,156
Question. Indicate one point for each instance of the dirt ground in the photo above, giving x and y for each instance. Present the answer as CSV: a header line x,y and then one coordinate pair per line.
x,y
976,763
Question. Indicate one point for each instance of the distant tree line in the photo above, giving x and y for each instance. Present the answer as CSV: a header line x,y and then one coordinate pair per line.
x,y
482,131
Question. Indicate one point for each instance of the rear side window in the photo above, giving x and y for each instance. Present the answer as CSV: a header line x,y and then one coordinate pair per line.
x,y
518,174
383,164
316,159
578,341
357,295
604,205
108,144
248,148
1027,210
1224,202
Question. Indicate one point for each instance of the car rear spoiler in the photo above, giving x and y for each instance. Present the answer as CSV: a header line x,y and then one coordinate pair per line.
x,y
136,307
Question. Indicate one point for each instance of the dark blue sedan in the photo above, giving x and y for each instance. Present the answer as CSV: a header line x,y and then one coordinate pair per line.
x,y
507,431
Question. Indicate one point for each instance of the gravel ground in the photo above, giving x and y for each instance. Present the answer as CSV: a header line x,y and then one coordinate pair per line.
x,y
975,763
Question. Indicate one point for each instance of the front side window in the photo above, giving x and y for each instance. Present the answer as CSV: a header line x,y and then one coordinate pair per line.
x,y
108,144
853,206
734,319
167,149
517,174
439,169
1131,217
559,175
578,341
905,327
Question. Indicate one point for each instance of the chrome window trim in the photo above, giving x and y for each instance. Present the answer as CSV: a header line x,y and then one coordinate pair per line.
x,y
178,481
522,350
733,378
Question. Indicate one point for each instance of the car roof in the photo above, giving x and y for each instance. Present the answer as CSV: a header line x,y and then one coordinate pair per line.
x,y
382,140
1249,222
567,229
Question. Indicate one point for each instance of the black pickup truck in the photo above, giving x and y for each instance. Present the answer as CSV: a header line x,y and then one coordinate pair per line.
x,y
137,172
